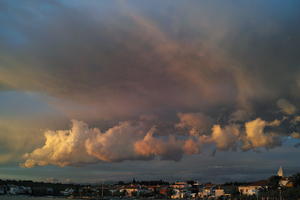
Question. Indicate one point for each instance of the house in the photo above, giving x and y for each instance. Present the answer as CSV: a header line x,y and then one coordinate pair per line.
x,y
180,185
253,188
67,192
131,190
164,191
49,191
181,190
219,192
194,195
2,189
249,190
206,191
285,182
13,189
180,194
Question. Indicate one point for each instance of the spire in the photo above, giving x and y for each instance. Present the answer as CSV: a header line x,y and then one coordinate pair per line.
x,y
280,172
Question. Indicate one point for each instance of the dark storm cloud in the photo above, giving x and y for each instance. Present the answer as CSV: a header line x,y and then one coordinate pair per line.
x,y
120,61
124,59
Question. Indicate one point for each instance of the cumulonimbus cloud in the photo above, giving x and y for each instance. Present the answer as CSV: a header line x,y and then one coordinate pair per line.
x,y
118,60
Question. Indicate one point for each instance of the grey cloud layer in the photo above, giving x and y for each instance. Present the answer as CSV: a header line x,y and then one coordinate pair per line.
x,y
128,61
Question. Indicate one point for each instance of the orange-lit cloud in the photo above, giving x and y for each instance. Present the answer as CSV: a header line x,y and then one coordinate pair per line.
x,y
131,140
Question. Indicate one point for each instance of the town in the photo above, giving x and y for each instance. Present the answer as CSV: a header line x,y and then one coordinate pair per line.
x,y
276,187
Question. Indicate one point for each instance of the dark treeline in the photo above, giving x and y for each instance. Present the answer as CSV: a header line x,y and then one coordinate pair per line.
x,y
40,188
29,183
147,183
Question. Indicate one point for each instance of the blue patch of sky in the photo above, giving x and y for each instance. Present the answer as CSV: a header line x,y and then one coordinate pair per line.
x,y
20,104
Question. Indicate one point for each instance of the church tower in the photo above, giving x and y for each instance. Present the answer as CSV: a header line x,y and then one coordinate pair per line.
x,y
280,172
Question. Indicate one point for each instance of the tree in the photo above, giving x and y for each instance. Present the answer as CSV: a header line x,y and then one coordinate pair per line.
x,y
296,179
273,182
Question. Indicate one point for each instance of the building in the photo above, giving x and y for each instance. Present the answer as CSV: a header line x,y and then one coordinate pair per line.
x,y
178,194
14,189
164,190
206,191
181,194
280,172
2,189
66,192
286,182
249,190
253,188
219,192
180,185
130,191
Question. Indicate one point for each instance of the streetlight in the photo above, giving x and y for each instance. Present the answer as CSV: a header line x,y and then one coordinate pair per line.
x,y
280,196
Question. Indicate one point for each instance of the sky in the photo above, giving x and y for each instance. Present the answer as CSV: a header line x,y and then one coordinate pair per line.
x,y
174,90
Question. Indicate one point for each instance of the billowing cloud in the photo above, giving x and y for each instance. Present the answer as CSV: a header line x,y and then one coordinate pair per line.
x,y
126,141
227,137
240,115
296,120
286,107
257,137
192,146
195,123
137,140
150,146
117,143
62,147
295,135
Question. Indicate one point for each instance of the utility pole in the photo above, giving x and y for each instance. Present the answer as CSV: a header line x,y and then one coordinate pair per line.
x,y
102,191
280,195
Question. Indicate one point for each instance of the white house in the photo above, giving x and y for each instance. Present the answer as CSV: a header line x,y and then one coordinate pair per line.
x,y
249,190
253,188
